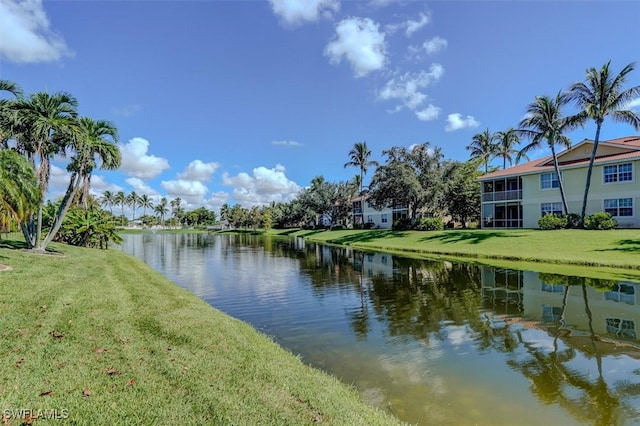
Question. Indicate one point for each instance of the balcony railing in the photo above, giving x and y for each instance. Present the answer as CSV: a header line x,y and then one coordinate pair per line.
x,y
515,194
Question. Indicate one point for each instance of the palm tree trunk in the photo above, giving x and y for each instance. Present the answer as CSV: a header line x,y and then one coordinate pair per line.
x,y
565,206
74,184
589,170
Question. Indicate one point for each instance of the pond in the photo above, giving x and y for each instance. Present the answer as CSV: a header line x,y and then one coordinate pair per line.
x,y
432,342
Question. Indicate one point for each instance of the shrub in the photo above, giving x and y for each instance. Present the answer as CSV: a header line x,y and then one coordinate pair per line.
x,y
368,225
338,227
552,221
600,221
401,224
430,224
573,220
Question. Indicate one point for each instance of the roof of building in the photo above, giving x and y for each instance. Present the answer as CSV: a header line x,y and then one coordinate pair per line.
x,y
625,148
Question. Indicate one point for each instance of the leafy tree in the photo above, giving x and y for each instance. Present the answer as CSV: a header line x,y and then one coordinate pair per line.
x,y
329,200
482,146
410,178
545,122
603,96
359,157
462,193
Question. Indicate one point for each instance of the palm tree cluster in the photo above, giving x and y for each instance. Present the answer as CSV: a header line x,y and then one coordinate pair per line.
x,y
42,125
602,95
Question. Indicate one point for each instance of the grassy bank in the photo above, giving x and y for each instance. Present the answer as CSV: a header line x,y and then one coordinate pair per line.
x,y
611,254
102,338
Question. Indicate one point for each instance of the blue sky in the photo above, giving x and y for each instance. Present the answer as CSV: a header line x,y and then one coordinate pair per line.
x,y
246,101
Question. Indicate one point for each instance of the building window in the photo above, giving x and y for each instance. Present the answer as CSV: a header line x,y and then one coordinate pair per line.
x,y
369,219
619,207
625,293
618,173
550,208
549,180
384,218
621,327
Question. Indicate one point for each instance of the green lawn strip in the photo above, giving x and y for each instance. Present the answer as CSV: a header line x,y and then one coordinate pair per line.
x,y
569,251
102,336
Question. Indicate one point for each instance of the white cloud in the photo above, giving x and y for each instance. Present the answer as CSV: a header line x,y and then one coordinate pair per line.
x,y
407,87
126,110
413,26
431,112
199,171
286,143
140,186
136,162
634,104
58,182
99,185
295,12
184,188
456,122
359,40
262,187
434,45
25,34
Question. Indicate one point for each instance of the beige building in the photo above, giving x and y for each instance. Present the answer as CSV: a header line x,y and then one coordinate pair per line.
x,y
518,196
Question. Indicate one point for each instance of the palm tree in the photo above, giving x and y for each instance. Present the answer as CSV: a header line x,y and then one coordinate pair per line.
x,y
44,126
133,199
505,146
224,212
360,155
544,122
6,116
108,200
145,203
602,96
19,192
161,209
482,147
121,200
99,139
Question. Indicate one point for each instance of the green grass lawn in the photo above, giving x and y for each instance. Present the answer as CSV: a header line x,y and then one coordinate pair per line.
x,y
611,254
100,337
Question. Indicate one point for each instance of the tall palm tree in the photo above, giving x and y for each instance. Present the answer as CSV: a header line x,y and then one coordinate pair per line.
x,y
133,200
360,155
602,95
145,203
44,126
482,146
161,209
505,146
544,122
108,200
96,139
99,138
120,200
224,212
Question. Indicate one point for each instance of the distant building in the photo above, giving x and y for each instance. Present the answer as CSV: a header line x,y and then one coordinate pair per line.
x,y
363,212
518,196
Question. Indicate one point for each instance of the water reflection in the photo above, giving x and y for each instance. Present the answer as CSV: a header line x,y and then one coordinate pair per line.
x,y
431,341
